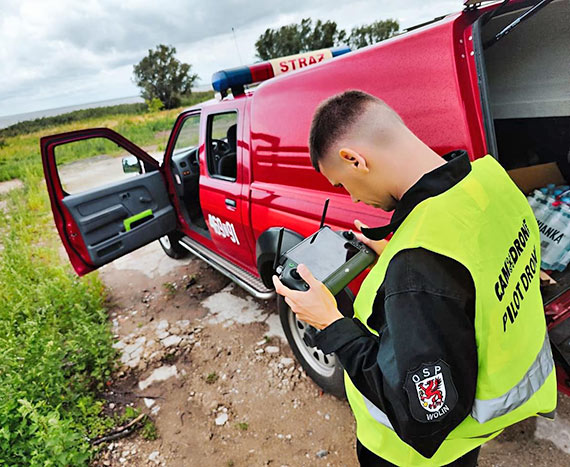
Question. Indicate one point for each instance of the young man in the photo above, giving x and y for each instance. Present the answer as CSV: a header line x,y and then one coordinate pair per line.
x,y
448,344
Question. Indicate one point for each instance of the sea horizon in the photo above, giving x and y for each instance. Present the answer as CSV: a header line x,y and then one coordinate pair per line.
x,y
8,120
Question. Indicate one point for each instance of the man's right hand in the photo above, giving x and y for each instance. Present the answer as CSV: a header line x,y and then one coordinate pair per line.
x,y
375,245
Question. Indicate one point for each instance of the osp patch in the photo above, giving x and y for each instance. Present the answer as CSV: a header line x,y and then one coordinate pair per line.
x,y
431,392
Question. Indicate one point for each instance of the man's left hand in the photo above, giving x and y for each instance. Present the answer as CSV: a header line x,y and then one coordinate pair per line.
x,y
317,306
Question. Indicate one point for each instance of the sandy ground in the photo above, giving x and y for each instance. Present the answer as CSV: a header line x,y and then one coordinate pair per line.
x,y
233,395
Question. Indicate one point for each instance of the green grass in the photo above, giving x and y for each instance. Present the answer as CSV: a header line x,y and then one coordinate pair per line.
x,y
55,340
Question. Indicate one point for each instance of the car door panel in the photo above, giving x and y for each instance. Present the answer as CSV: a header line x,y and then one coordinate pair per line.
x,y
103,223
100,216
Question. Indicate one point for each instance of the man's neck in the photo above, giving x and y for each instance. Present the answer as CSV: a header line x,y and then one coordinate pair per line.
x,y
418,166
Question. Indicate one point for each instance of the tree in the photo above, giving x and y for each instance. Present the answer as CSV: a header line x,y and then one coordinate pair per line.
x,y
296,38
368,34
161,75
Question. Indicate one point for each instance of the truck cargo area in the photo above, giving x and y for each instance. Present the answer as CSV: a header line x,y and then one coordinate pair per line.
x,y
526,92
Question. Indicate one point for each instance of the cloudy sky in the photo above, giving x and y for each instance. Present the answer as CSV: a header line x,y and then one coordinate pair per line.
x,y
56,53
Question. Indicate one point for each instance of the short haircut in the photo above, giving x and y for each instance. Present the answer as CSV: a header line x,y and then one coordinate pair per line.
x,y
334,117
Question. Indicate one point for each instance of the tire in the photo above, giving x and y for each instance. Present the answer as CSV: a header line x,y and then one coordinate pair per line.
x,y
171,247
325,370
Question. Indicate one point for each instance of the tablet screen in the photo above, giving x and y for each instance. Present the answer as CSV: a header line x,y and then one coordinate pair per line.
x,y
325,255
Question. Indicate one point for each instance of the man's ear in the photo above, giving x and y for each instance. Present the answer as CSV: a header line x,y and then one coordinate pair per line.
x,y
354,158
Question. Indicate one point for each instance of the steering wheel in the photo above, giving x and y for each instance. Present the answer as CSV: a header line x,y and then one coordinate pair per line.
x,y
220,147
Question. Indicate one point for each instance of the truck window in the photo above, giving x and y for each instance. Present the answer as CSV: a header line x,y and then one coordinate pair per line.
x,y
222,145
188,135
90,163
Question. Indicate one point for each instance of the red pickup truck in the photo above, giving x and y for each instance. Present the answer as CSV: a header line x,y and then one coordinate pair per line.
x,y
489,79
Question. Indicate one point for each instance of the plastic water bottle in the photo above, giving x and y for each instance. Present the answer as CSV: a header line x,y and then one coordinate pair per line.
x,y
535,198
552,234
564,244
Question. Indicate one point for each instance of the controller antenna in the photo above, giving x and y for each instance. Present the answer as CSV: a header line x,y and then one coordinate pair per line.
x,y
278,253
322,221
324,213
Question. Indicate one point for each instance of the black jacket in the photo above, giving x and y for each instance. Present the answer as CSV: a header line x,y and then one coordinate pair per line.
x,y
424,314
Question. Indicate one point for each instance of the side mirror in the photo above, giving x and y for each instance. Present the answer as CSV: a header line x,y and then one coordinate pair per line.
x,y
131,165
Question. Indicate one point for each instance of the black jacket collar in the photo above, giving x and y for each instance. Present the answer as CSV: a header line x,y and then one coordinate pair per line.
x,y
430,184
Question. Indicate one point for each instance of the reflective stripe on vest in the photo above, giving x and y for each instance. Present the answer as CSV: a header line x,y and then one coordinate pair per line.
x,y
531,382
377,414
485,410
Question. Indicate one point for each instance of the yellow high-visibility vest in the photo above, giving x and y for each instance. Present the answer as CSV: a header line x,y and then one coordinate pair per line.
x,y
485,223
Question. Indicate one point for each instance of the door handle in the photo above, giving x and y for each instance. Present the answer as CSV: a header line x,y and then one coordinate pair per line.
x,y
231,203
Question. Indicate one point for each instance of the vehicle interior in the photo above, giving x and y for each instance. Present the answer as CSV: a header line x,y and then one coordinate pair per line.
x,y
528,95
528,76
185,162
185,165
222,145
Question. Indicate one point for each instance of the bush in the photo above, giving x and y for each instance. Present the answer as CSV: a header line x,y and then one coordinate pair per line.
x,y
55,342
154,105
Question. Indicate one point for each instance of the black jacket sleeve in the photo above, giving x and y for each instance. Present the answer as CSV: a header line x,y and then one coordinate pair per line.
x,y
424,312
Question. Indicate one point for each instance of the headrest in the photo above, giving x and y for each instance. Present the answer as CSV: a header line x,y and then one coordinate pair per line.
x,y
232,136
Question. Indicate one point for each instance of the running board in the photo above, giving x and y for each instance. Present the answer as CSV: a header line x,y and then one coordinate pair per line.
x,y
244,279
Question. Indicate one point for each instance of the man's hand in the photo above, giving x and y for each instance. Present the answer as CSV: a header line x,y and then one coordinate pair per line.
x,y
375,245
317,306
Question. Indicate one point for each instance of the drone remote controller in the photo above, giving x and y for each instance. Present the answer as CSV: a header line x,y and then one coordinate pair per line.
x,y
334,258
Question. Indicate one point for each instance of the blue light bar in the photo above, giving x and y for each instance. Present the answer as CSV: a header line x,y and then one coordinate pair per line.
x,y
336,51
236,78
225,79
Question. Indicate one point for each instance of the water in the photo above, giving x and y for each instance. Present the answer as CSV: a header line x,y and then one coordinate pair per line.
x,y
8,120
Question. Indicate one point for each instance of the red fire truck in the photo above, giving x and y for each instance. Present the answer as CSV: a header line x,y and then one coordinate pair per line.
x,y
489,79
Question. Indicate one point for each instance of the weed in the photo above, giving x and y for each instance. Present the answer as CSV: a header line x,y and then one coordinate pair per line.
x,y
128,415
168,358
148,430
243,426
170,288
212,378
231,463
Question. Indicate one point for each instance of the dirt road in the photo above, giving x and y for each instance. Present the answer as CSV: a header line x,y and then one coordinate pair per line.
x,y
209,365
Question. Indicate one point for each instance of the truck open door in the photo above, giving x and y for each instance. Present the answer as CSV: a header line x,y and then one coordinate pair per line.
x,y
108,206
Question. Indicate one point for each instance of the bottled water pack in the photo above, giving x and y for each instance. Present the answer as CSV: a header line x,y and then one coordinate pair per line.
x,y
551,207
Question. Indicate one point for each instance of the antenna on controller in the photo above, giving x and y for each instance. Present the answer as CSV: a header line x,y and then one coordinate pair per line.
x,y
322,220
278,252
324,213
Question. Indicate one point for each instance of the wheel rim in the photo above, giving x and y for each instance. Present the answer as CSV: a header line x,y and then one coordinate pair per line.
x,y
323,364
165,242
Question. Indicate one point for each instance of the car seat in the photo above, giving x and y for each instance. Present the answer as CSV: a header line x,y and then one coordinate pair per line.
x,y
227,165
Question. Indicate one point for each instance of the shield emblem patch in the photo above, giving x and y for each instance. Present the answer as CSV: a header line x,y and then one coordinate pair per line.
x,y
431,392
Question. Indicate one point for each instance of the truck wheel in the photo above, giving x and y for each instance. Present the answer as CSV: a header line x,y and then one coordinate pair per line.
x,y
171,247
325,370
